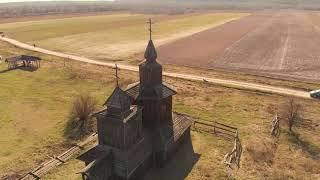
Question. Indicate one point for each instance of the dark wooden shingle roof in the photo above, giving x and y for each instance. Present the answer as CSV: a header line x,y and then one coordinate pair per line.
x,y
22,58
161,92
172,133
92,154
118,99
150,53
99,163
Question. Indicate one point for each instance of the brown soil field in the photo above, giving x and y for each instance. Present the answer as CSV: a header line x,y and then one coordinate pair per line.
x,y
282,44
198,49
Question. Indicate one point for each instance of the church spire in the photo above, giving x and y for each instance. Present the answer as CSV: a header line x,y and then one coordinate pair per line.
x,y
151,53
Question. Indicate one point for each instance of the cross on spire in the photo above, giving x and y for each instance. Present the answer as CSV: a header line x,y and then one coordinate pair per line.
x,y
150,27
117,77
150,53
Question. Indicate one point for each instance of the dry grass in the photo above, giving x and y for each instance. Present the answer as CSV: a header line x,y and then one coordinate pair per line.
x,y
296,156
260,79
261,150
263,158
113,36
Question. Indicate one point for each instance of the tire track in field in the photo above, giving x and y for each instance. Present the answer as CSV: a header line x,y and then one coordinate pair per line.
x,y
284,50
288,47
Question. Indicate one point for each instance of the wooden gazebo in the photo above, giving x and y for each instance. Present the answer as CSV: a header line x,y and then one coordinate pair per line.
x,y
23,61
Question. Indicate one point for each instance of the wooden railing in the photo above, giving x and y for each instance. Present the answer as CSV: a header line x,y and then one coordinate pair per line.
x,y
232,158
216,128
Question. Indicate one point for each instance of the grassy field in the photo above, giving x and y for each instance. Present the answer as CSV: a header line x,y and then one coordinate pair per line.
x,y
35,107
113,36
263,157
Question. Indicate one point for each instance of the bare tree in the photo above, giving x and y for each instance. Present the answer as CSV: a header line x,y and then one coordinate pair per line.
x,y
234,156
291,112
275,129
83,107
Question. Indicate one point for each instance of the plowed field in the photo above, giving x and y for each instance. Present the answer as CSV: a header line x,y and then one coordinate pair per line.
x,y
281,44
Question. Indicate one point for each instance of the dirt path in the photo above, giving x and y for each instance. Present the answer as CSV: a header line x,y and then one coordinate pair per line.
x,y
231,83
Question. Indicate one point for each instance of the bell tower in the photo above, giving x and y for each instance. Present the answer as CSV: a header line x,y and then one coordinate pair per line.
x,y
150,70
154,96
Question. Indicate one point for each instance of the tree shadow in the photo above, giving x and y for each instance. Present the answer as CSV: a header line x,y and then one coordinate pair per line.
x,y
29,69
179,166
308,124
74,132
307,147
5,70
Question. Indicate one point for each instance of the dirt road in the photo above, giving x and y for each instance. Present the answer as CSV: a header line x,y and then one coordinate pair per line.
x,y
231,83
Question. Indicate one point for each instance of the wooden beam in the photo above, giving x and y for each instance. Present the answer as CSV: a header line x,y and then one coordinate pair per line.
x,y
79,146
60,160
34,175
226,125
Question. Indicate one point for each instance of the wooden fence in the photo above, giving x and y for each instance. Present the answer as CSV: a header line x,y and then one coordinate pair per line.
x,y
55,161
216,128
232,158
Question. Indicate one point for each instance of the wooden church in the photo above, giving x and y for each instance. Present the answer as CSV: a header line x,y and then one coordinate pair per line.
x,y
137,130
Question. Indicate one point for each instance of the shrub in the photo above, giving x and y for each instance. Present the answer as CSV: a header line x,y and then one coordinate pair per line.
x,y
81,112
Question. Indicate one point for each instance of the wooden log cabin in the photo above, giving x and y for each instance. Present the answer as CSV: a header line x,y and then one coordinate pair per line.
x,y
137,129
